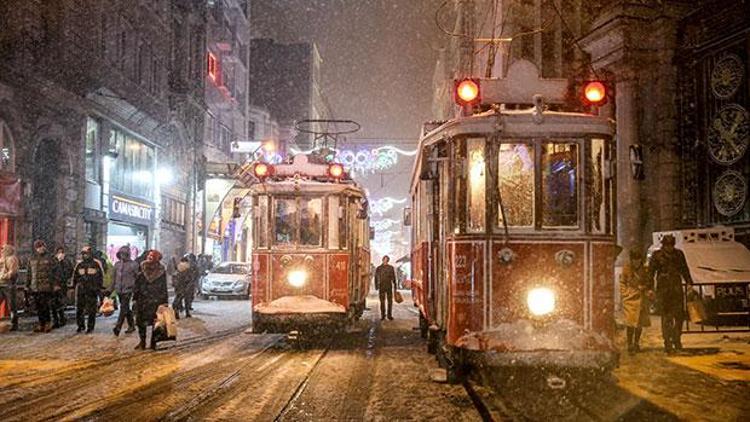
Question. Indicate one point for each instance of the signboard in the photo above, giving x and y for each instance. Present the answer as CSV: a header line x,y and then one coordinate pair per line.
x,y
131,210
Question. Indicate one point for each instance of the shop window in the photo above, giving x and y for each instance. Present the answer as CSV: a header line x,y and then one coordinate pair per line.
x,y
560,185
173,211
515,178
7,151
133,169
93,128
477,176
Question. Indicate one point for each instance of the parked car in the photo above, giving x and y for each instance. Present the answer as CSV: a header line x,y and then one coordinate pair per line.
x,y
228,279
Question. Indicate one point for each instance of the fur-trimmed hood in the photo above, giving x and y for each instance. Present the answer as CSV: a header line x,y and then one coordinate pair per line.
x,y
152,270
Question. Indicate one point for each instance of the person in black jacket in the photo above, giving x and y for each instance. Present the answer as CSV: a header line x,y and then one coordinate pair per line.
x,y
181,281
41,284
61,275
88,280
149,292
385,282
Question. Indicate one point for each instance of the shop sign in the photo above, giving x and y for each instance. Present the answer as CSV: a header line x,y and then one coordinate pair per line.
x,y
131,210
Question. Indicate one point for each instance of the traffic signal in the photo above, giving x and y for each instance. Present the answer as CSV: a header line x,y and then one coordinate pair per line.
x,y
595,93
467,92
236,206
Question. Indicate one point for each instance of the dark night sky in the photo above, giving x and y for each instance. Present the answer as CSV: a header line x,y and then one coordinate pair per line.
x,y
378,56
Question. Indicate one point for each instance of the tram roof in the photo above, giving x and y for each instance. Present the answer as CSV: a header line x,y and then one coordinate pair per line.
x,y
302,186
530,123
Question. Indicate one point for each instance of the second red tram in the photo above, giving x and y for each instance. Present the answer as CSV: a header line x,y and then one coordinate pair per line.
x,y
311,258
513,239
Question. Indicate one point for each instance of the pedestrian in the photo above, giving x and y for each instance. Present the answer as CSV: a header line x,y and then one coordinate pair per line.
x,y
670,268
635,291
149,292
88,280
125,273
385,282
107,268
194,279
181,282
8,278
41,284
61,275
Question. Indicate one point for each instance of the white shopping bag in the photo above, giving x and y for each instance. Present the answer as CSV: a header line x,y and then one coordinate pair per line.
x,y
165,317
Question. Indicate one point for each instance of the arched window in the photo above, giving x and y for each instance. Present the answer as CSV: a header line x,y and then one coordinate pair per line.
x,y
7,153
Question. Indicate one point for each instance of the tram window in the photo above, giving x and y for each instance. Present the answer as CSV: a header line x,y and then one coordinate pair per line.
x,y
598,207
342,218
285,221
477,175
333,222
311,224
516,184
261,222
560,185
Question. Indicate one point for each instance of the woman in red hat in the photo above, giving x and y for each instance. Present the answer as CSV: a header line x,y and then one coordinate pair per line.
x,y
149,292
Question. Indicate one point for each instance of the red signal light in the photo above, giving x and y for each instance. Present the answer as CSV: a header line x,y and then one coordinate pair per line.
x,y
467,91
336,170
262,170
595,93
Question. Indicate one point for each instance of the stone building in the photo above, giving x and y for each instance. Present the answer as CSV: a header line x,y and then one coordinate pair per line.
x,y
680,75
285,80
101,114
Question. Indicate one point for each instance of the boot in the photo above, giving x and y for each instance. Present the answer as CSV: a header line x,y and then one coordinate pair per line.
x,y
116,330
129,330
141,345
47,328
187,314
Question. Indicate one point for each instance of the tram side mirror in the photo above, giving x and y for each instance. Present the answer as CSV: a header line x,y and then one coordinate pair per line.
x,y
372,233
364,208
407,217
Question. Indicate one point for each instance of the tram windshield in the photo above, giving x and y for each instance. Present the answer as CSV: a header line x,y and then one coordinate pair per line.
x,y
516,184
298,221
560,184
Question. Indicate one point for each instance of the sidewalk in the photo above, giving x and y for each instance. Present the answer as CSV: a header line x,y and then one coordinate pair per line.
x,y
708,380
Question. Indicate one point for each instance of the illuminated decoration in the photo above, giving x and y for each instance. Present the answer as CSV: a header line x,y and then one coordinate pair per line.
x,y
595,93
383,205
467,92
364,160
213,68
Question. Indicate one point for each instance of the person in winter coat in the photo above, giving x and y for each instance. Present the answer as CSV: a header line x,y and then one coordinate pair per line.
x,y
385,282
194,280
88,279
61,275
8,278
635,291
41,284
107,267
124,275
149,292
181,282
670,268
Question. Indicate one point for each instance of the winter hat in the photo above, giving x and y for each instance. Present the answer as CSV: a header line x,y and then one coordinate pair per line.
x,y
39,243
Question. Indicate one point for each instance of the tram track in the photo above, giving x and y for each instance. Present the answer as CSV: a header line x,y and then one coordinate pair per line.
x,y
104,361
39,396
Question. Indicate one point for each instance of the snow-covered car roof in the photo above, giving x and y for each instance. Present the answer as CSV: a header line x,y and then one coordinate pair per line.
x,y
713,256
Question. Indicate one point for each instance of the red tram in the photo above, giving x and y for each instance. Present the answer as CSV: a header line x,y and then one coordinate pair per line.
x,y
513,235
311,258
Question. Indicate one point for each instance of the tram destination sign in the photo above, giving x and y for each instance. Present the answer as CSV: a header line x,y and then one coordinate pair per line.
x,y
131,210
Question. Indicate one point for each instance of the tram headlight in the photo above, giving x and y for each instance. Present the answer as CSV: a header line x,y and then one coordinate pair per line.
x,y
297,278
541,301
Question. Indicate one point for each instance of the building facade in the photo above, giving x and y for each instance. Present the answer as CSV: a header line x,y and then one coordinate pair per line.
x,y
101,107
285,80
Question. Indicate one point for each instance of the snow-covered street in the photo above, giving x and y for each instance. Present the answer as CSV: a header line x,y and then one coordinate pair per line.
x,y
377,370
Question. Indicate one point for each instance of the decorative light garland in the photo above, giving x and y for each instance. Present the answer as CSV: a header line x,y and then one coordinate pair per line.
x,y
366,160
383,205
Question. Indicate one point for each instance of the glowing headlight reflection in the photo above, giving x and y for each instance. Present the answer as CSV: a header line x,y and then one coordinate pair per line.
x,y
541,301
297,278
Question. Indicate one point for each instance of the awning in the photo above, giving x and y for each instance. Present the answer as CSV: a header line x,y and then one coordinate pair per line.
x,y
10,195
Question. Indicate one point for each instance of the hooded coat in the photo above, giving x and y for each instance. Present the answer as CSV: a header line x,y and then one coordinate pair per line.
x,y
125,272
635,304
8,266
41,268
150,291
